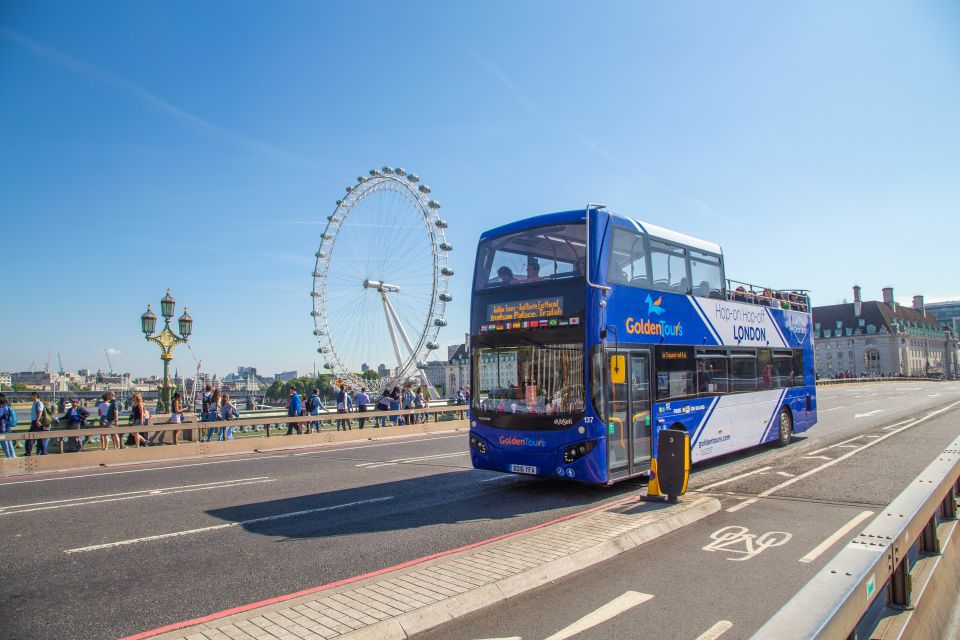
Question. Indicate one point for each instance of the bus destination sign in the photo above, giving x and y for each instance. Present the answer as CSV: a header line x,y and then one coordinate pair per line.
x,y
534,309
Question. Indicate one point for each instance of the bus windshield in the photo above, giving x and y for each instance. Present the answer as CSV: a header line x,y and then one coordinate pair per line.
x,y
542,379
534,255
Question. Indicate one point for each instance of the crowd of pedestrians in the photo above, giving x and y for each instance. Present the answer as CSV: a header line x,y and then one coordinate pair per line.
x,y
216,406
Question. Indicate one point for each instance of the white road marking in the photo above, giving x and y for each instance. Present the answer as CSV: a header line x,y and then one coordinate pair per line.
x,y
731,479
839,533
785,474
504,477
387,463
129,495
277,455
177,534
807,474
868,413
817,458
830,409
813,453
745,503
848,446
608,611
738,540
716,630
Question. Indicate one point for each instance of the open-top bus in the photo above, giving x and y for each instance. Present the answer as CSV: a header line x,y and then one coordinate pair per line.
x,y
591,331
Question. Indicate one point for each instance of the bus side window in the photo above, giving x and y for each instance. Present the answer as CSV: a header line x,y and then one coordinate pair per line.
x,y
669,268
628,258
783,368
743,371
797,367
765,374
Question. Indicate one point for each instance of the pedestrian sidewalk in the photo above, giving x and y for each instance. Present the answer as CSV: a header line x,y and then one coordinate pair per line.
x,y
400,602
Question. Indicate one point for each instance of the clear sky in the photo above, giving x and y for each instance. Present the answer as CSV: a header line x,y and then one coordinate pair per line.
x,y
199,145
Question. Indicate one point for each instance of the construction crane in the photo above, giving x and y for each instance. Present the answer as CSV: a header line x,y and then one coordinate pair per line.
x,y
107,353
61,363
196,378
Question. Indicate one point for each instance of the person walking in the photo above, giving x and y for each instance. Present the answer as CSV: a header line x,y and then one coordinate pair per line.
x,y
408,401
342,407
176,417
293,410
362,401
228,411
383,404
8,420
139,416
76,418
108,420
39,421
314,404
213,413
395,403
421,403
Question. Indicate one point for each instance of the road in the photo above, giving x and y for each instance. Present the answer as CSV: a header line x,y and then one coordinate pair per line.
x,y
110,552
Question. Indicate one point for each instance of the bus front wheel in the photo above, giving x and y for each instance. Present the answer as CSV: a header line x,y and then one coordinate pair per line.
x,y
785,427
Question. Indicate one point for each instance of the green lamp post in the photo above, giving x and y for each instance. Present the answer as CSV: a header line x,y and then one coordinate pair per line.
x,y
167,340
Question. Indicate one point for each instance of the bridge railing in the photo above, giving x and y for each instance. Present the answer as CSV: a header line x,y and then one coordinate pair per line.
x,y
877,574
193,429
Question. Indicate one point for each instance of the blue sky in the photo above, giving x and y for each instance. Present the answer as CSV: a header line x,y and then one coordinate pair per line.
x,y
816,141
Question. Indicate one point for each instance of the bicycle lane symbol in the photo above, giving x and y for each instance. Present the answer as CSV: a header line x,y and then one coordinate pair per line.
x,y
739,541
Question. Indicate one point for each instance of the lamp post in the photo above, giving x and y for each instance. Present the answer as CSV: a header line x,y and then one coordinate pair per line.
x,y
166,338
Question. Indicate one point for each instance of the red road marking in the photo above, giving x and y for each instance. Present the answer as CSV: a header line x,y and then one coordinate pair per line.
x,y
340,583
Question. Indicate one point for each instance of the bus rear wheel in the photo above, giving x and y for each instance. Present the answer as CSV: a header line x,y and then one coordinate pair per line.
x,y
785,427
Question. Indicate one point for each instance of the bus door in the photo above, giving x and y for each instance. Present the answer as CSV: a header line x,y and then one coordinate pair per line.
x,y
628,413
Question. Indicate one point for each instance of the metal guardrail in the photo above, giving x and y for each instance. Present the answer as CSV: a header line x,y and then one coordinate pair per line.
x,y
161,423
829,381
878,561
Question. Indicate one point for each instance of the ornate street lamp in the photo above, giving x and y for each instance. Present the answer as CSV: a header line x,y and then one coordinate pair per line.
x,y
167,340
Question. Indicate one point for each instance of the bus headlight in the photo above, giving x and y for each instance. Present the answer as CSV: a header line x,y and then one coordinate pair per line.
x,y
576,451
479,445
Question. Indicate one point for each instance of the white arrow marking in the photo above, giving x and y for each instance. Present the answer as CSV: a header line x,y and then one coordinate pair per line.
x,y
610,610
868,413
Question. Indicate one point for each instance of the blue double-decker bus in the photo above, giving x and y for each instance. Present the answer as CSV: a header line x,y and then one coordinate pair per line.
x,y
592,331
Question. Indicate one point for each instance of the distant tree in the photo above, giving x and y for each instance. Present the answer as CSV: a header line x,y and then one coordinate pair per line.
x,y
371,375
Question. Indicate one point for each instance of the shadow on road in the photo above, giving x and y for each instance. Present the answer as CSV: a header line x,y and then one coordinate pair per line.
x,y
403,505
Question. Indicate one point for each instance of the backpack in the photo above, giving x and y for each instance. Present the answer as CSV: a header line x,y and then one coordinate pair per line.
x,y
44,418
11,417
315,403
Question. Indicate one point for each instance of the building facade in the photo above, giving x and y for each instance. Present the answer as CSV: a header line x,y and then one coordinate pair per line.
x,y
882,338
947,313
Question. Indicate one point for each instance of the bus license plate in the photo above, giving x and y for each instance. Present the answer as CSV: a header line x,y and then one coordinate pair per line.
x,y
523,468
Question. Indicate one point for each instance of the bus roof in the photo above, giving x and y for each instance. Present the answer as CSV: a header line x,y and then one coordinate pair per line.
x,y
577,215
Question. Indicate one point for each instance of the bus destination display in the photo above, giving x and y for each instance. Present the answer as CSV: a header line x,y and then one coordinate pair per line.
x,y
534,309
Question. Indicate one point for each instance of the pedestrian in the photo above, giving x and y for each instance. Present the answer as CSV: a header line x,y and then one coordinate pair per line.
x,y
314,404
76,418
139,416
362,401
8,420
103,409
228,411
342,407
39,421
421,403
176,417
408,401
383,404
395,404
461,396
213,413
293,410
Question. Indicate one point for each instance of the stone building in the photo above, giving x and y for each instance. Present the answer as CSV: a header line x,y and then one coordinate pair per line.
x,y
882,338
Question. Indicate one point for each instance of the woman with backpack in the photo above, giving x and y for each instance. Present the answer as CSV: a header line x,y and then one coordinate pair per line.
x,y
213,412
39,421
228,411
383,404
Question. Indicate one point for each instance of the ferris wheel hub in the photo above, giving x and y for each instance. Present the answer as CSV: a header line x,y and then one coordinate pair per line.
x,y
380,285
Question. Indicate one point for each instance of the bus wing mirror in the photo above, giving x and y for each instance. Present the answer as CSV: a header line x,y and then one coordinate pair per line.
x,y
618,369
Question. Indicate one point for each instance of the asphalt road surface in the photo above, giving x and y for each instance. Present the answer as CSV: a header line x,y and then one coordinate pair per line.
x,y
110,552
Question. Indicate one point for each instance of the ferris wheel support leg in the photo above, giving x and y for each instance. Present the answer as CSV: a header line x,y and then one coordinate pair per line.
x,y
406,341
393,336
